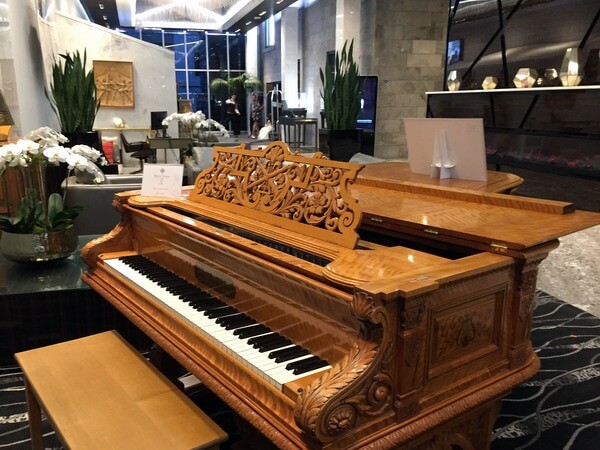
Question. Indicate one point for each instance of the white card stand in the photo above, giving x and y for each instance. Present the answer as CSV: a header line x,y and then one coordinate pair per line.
x,y
441,160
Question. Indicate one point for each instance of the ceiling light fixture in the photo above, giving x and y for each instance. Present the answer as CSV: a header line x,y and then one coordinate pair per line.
x,y
101,5
249,22
262,13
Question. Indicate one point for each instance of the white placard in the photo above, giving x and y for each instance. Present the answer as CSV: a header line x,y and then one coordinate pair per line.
x,y
455,146
162,180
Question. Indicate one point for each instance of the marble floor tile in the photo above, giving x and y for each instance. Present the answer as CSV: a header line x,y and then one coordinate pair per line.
x,y
572,271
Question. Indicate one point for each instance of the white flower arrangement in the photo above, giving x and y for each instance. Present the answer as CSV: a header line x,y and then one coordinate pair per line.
x,y
29,158
198,120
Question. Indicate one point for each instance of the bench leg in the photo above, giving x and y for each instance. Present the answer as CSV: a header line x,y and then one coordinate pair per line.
x,y
35,418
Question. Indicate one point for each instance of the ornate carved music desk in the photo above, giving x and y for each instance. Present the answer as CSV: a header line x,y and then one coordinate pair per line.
x,y
335,312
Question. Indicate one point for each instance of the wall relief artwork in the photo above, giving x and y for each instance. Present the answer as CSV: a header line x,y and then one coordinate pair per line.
x,y
114,83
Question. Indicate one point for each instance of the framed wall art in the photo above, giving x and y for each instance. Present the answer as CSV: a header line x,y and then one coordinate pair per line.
x,y
114,83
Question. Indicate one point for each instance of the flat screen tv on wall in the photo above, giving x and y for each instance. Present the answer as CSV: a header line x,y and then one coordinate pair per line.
x,y
455,51
368,103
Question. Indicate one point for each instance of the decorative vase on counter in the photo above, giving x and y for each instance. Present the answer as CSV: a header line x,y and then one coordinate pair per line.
x,y
571,70
453,81
39,247
525,78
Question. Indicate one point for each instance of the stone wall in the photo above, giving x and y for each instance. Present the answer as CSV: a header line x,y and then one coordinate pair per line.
x,y
408,57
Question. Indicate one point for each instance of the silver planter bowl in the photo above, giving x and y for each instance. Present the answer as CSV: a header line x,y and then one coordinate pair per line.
x,y
39,247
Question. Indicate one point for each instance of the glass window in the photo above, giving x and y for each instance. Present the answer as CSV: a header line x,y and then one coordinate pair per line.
x,y
270,32
196,50
217,51
175,41
198,90
181,82
153,36
237,52
129,31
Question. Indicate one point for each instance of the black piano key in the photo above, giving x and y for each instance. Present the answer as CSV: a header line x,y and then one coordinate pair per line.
x,y
307,367
232,318
288,353
220,312
275,344
200,295
209,305
184,290
252,331
261,339
296,364
245,323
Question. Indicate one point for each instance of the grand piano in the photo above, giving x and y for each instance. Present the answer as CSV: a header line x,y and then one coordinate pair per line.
x,y
335,311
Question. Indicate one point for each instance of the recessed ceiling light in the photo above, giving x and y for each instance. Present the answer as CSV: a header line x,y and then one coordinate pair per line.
x,y
105,18
101,5
262,13
249,22
256,17
238,30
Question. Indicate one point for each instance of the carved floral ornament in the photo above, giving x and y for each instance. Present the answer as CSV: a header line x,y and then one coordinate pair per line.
x,y
311,191
358,388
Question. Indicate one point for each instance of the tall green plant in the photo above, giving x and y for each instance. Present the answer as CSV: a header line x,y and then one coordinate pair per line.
x,y
341,90
73,93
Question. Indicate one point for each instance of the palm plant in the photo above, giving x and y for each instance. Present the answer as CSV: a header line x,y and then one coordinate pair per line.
x,y
73,93
341,90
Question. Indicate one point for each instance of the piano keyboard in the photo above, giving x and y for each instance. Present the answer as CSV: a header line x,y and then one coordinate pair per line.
x,y
272,356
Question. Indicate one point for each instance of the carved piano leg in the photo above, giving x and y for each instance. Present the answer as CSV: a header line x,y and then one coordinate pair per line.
x,y
523,302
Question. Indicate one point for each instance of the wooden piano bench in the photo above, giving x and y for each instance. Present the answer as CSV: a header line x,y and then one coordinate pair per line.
x,y
99,392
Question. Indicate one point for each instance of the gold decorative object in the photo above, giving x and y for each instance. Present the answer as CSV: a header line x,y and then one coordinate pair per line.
x,y
453,81
571,70
119,122
114,83
525,78
489,83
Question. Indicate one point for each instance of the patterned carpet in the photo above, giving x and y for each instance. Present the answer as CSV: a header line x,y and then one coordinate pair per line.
x,y
559,408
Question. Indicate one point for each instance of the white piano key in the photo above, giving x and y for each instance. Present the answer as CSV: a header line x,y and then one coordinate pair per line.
x,y
259,362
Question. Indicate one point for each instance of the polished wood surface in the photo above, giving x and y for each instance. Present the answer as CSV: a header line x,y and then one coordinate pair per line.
x,y
498,182
425,320
98,392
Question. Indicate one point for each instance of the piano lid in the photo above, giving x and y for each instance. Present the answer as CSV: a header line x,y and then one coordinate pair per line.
x,y
496,222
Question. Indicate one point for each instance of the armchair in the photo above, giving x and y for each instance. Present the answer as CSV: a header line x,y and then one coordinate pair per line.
x,y
99,215
140,150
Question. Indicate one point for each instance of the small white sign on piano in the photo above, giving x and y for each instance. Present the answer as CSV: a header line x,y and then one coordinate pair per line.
x,y
162,180
447,148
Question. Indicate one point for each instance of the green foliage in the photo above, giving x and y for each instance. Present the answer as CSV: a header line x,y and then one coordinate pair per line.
x,y
237,85
219,88
32,218
73,93
341,90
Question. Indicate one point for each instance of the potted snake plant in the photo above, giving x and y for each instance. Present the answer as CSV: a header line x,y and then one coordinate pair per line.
x,y
341,98
73,98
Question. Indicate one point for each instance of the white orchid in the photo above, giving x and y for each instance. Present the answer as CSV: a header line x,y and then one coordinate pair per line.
x,y
56,155
31,156
197,120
